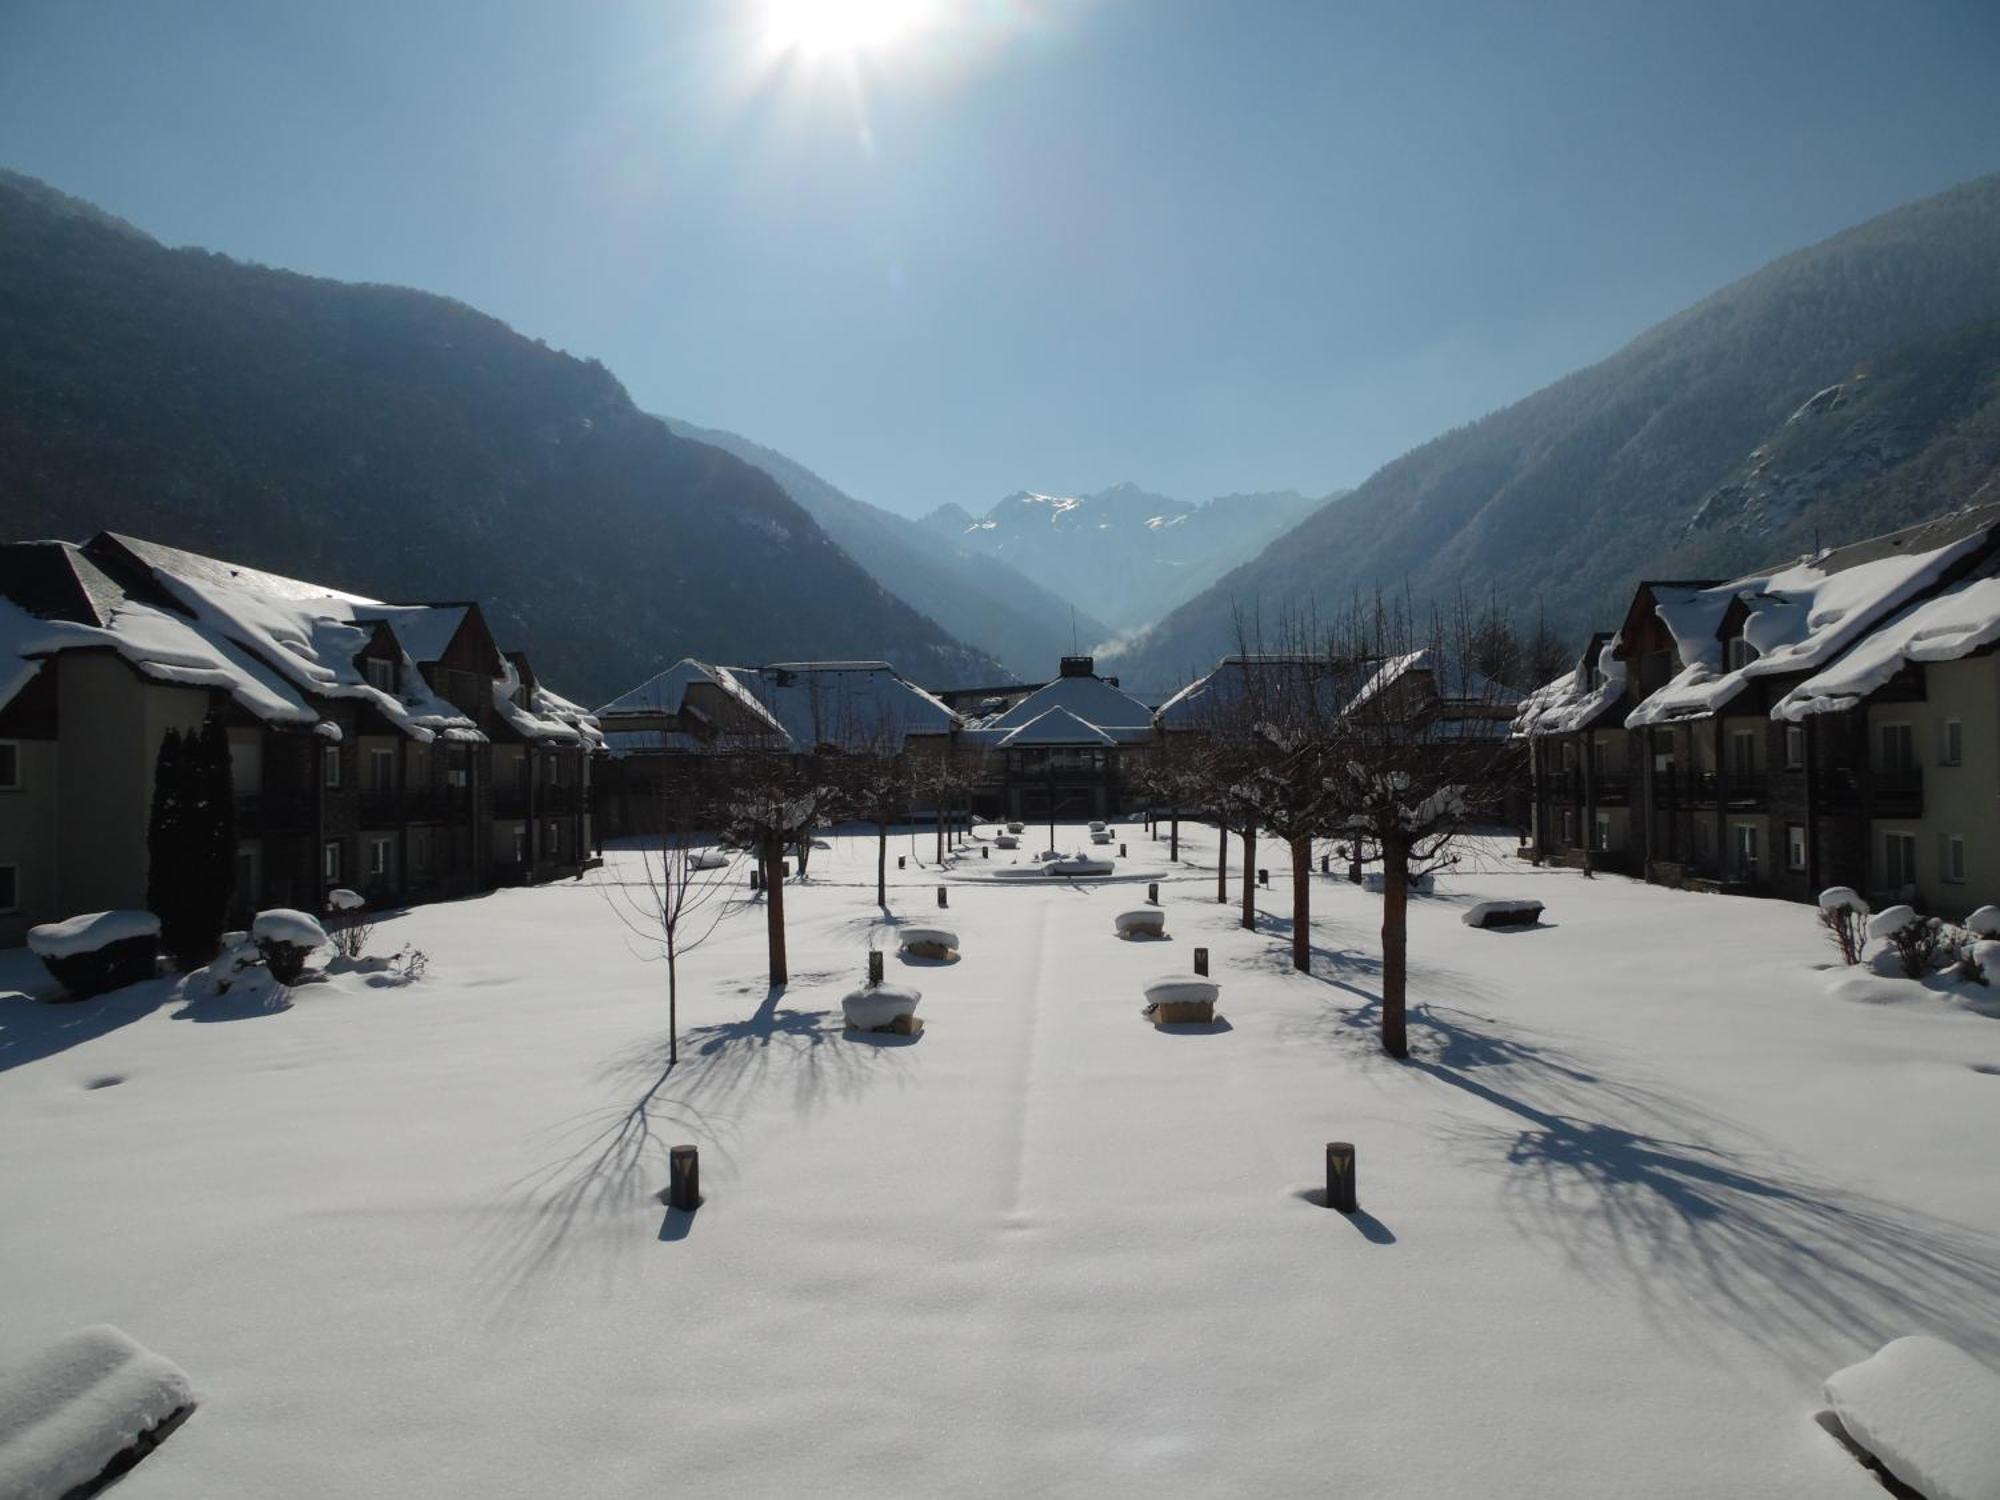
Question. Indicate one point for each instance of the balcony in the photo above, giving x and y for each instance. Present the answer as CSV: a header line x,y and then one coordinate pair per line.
x,y
1612,791
1738,789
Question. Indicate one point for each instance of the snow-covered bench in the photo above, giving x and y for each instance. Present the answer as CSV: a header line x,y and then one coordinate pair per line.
x,y
707,859
1925,1410
1181,1000
99,951
1503,914
1102,836
1098,826
882,1007
1145,921
1017,827
1079,864
929,942
1007,841
92,1400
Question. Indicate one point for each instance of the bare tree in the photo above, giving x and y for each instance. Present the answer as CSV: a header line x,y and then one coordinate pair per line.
x,y
671,906
772,802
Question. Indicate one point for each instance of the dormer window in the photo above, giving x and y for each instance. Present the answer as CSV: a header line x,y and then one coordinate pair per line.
x,y
1740,653
381,674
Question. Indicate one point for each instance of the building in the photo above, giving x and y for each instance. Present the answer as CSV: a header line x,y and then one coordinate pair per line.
x,y
1063,751
363,735
1788,730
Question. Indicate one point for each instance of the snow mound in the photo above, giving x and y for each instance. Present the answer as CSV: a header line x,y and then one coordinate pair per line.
x,y
1148,919
69,1408
879,1005
1889,920
89,933
707,859
1079,864
1374,883
1985,922
1926,1410
342,899
933,937
283,925
1842,898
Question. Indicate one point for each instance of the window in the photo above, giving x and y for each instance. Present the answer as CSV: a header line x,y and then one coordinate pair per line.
x,y
1795,847
1951,858
381,674
1742,752
10,765
420,850
1740,653
1899,747
10,887
378,857
1795,747
382,770
1899,861
248,896
1596,756
329,861
1569,826
1603,832
552,840
329,760
520,843
1951,742
1746,850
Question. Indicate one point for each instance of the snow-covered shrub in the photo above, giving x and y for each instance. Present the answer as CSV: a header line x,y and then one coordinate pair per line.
x,y
286,939
1842,913
1961,954
100,951
347,921
1984,923
1916,940
410,964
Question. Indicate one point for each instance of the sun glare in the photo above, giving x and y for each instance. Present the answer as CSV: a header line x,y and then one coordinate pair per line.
x,y
820,27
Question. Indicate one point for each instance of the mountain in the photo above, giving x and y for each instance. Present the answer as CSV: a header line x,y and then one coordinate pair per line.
x,y
977,598
1122,553
1564,499
404,446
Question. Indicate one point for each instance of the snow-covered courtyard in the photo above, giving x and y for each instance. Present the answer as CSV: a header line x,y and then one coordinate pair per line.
x,y
1647,1180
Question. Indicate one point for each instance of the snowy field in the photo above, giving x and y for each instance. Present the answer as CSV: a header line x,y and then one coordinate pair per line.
x,y
1646,1184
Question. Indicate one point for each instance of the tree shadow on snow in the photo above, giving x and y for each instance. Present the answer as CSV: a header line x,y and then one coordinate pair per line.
x,y
1638,1186
32,1029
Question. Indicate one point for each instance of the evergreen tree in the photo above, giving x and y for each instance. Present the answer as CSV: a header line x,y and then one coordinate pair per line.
x,y
191,842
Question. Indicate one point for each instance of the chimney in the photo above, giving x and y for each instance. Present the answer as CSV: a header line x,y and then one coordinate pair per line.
x,y
1079,666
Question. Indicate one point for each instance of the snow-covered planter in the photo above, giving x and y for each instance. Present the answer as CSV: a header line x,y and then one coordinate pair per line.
x,y
881,1007
1017,828
1007,841
1503,914
1102,836
1098,826
1924,1409
1144,921
1079,864
929,942
77,1404
103,950
286,939
707,859
1181,999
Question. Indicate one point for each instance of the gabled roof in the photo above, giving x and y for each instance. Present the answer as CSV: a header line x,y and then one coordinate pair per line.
x,y
1802,617
1954,623
851,704
662,694
1580,697
1058,726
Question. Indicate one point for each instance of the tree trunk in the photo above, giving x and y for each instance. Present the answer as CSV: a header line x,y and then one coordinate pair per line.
x,y
1395,945
774,907
1250,875
1302,858
1174,837
673,1005
882,865
1221,863
1354,862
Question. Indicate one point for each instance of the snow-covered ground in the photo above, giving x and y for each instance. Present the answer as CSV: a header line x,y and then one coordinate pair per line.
x,y
1645,1185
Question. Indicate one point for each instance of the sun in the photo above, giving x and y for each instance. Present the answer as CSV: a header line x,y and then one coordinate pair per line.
x,y
821,27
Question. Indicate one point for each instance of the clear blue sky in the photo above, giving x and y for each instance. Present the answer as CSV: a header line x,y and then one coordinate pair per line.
x,y
1204,246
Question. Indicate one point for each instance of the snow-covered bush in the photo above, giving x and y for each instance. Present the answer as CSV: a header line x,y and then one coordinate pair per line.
x,y
1916,940
1961,953
286,939
348,926
100,951
410,964
1842,913
1984,922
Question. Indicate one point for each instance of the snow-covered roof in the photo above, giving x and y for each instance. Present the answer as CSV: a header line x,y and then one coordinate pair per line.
x,y
312,634
1574,700
1057,726
542,715
801,705
1803,616
1455,682
1945,627
1116,714
161,645
1222,690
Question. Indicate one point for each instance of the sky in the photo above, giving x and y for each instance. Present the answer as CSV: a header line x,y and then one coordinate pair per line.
x,y
942,250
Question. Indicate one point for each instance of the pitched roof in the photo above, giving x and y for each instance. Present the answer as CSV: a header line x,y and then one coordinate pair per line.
x,y
1057,726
